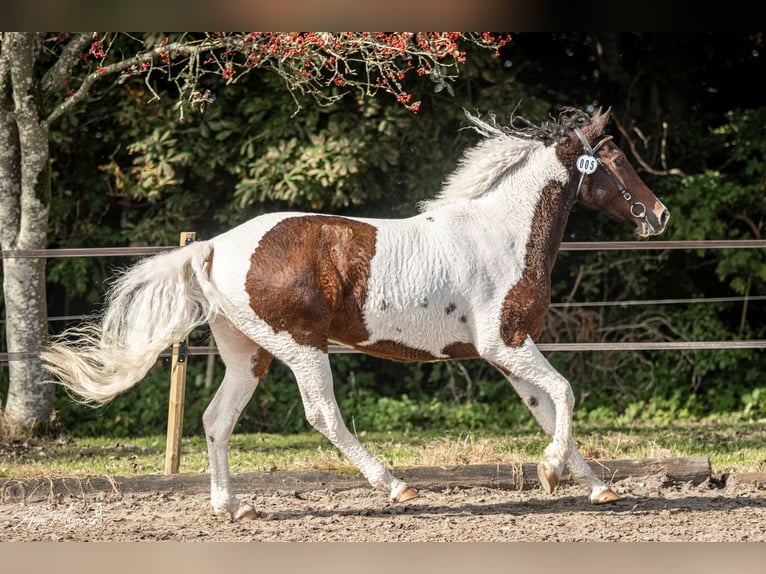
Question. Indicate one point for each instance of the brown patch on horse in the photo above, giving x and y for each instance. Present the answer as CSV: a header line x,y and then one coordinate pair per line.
x,y
398,352
527,302
395,351
308,276
259,362
460,351
524,309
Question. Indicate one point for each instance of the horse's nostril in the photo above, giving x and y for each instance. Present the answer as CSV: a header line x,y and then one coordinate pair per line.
x,y
664,217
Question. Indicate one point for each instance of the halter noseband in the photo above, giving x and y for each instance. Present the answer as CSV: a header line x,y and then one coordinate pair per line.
x,y
587,164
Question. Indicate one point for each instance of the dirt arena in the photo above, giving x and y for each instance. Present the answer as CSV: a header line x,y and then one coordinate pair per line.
x,y
651,509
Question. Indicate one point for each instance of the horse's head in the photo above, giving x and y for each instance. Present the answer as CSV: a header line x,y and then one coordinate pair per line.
x,y
607,181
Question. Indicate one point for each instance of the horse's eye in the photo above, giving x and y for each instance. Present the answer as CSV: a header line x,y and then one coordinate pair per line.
x,y
619,161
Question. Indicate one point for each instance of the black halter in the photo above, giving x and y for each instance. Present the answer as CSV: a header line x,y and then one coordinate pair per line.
x,y
637,208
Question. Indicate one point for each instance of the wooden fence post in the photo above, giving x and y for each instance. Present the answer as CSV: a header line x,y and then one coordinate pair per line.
x,y
177,393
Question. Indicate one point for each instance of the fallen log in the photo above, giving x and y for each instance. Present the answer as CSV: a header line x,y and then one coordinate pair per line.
x,y
693,470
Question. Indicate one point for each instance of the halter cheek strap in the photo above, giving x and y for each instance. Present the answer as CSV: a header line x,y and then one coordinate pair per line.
x,y
589,162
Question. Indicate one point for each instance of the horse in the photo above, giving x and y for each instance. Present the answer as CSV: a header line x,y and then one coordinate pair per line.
x,y
468,276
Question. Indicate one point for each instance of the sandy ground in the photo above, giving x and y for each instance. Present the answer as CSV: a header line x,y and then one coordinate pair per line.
x,y
650,510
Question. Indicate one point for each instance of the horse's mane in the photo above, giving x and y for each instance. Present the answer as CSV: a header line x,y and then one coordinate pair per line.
x,y
548,132
502,150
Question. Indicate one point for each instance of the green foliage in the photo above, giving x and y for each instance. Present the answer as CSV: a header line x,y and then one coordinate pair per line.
x,y
730,204
316,171
754,403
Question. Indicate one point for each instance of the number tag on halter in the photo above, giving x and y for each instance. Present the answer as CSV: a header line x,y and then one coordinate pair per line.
x,y
586,164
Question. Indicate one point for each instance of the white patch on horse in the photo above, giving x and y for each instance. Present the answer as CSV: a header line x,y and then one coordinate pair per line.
x,y
449,256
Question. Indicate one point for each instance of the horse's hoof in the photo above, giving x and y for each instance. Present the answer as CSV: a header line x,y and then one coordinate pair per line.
x,y
408,494
605,497
547,477
245,512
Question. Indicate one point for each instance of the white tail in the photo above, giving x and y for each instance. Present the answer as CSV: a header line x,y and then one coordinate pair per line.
x,y
150,306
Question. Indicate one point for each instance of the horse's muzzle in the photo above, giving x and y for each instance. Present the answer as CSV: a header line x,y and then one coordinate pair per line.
x,y
655,221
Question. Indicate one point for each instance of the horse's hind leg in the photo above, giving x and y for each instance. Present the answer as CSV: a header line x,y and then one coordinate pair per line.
x,y
246,364
311,368
541,406
537,381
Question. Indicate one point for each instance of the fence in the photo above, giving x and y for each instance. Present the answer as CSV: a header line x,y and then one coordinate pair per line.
x,y
180,351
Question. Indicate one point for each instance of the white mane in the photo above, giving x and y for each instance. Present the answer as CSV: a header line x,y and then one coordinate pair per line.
x,y
499,155
483,166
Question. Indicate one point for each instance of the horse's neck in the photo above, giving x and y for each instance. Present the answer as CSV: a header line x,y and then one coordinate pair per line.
x,y
532,222
550,223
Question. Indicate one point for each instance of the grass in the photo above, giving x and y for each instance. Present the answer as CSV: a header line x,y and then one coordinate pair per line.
x,y
734,446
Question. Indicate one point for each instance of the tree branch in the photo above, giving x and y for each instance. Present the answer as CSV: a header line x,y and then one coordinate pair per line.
x,y
172,50
71,54
755,228
307,62
640,159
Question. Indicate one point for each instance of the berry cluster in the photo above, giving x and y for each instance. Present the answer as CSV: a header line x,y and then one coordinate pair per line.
x,y
325,65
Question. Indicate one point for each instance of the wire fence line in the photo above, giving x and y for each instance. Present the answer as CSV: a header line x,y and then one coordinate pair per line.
x,y
565,246
559,305
545,347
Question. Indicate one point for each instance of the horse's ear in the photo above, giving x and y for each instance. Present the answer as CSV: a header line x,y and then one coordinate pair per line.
x,y
597,125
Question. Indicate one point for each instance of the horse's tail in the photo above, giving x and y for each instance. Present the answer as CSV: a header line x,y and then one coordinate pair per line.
x,y
152,305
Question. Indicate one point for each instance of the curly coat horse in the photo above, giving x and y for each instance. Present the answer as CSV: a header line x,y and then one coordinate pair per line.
x,y
467,277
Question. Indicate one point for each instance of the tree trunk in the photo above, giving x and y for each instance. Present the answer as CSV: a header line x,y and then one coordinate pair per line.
x,y
24,204
29,399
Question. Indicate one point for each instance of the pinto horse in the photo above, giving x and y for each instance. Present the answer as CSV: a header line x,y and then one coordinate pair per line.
x,y
467,277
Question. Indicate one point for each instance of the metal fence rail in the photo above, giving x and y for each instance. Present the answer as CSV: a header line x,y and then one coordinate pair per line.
x,y
565,246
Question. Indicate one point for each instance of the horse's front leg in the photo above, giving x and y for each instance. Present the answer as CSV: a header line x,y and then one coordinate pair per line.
x,y
311,368
541,406
549,396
